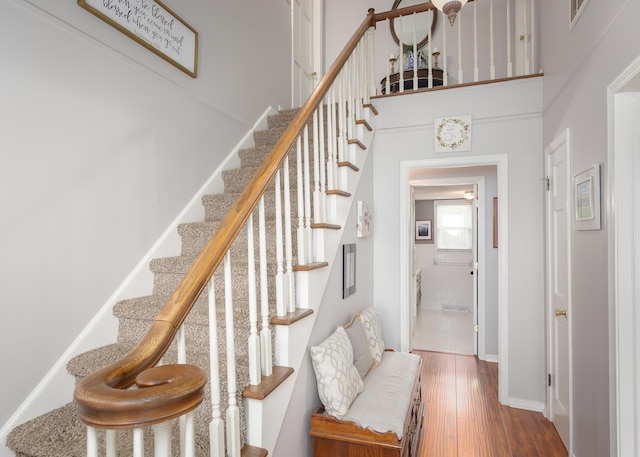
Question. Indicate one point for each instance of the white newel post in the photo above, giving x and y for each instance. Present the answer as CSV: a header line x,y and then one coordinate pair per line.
x,y
92,442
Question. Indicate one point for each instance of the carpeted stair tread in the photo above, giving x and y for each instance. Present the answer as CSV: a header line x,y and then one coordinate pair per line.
x,y
146,308
217,206
235,180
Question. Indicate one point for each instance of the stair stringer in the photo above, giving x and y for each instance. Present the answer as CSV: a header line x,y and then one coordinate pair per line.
x,y
265,418
56,387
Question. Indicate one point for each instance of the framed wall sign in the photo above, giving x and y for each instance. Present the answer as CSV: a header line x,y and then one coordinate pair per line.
x,y
586,199
152,25
452,134
363,219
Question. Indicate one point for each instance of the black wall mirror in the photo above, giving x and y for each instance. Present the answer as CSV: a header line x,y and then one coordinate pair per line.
x,y
422,26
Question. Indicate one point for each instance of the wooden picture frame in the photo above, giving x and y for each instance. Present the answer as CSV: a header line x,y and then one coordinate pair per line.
x,y
424,230
586,199
348,270
152,25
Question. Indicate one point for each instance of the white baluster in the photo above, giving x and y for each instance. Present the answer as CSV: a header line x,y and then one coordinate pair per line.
x,y
342,122
401,56
429,50
110,441
302,252
492,68
322,207
392,58
138,442
162,439
308,238
373,90
445,76
509,38
289,276
526,32
233,414
476,72
331,140
416,60
280,295
92,442
317,216
254,340
459,25
216,427
351,122
189,440
182,358
265,331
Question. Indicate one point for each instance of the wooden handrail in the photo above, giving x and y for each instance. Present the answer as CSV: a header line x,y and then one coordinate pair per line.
x,y
169,391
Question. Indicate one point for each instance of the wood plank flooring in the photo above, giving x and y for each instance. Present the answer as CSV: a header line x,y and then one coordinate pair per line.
x,y
463,417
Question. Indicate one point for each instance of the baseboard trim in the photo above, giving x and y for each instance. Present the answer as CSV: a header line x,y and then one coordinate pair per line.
x,y
491,358
529,405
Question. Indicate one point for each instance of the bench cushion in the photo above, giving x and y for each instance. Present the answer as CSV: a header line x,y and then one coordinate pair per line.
x,y
387,395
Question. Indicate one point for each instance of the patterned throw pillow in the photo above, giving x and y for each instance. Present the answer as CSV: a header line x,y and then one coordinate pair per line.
x,y
373,328
337,378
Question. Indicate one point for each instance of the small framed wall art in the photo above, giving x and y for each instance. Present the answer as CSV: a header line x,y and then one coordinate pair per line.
x,y
586,199
348,270
423,230
363,219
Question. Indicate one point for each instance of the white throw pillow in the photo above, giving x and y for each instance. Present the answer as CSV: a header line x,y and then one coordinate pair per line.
x,y
373,328
337,377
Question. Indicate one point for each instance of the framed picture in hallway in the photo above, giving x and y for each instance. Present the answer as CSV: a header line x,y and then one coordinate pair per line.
x,y
423,230
348,270
586,199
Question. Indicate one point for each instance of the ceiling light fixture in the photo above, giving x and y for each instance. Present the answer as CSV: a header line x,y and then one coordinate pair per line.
x,y
450,8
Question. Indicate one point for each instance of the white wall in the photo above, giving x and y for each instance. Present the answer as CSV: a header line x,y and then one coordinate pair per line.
x,y
334,311
506,120
103,143
578,66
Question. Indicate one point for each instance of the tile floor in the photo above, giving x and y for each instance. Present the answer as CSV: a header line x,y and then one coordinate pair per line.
x,y
444,331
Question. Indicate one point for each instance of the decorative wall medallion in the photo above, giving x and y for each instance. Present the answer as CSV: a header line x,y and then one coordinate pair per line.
x,y
452,134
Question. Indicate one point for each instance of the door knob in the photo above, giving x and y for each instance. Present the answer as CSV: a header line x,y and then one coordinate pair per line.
x,y
561,312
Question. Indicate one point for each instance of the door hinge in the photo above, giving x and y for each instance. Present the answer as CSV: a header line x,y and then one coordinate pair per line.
x,y
475,328
547,182
549,379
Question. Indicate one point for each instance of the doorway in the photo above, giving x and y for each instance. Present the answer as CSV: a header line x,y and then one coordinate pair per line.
x,y
406,240
623,99
448,303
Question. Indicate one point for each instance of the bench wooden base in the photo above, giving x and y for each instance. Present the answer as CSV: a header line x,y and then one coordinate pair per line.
x,y
332,437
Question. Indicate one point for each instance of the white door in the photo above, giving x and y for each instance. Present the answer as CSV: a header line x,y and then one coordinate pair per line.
x,y
558,284
304,74
474,269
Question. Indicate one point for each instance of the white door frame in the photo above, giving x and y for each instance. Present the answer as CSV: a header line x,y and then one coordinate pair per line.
x,y
406,251
623,213
479,308
561,140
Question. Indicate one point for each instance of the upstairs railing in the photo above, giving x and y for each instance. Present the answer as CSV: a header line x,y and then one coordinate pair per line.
x,y
140,391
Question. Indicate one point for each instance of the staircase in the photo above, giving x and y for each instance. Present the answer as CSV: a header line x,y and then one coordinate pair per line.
x,y
60,432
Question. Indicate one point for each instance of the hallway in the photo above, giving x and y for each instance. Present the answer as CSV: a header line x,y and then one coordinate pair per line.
x,y
463,418
444,331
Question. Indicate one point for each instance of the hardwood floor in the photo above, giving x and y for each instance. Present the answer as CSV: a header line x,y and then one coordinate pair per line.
x,y
463,417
